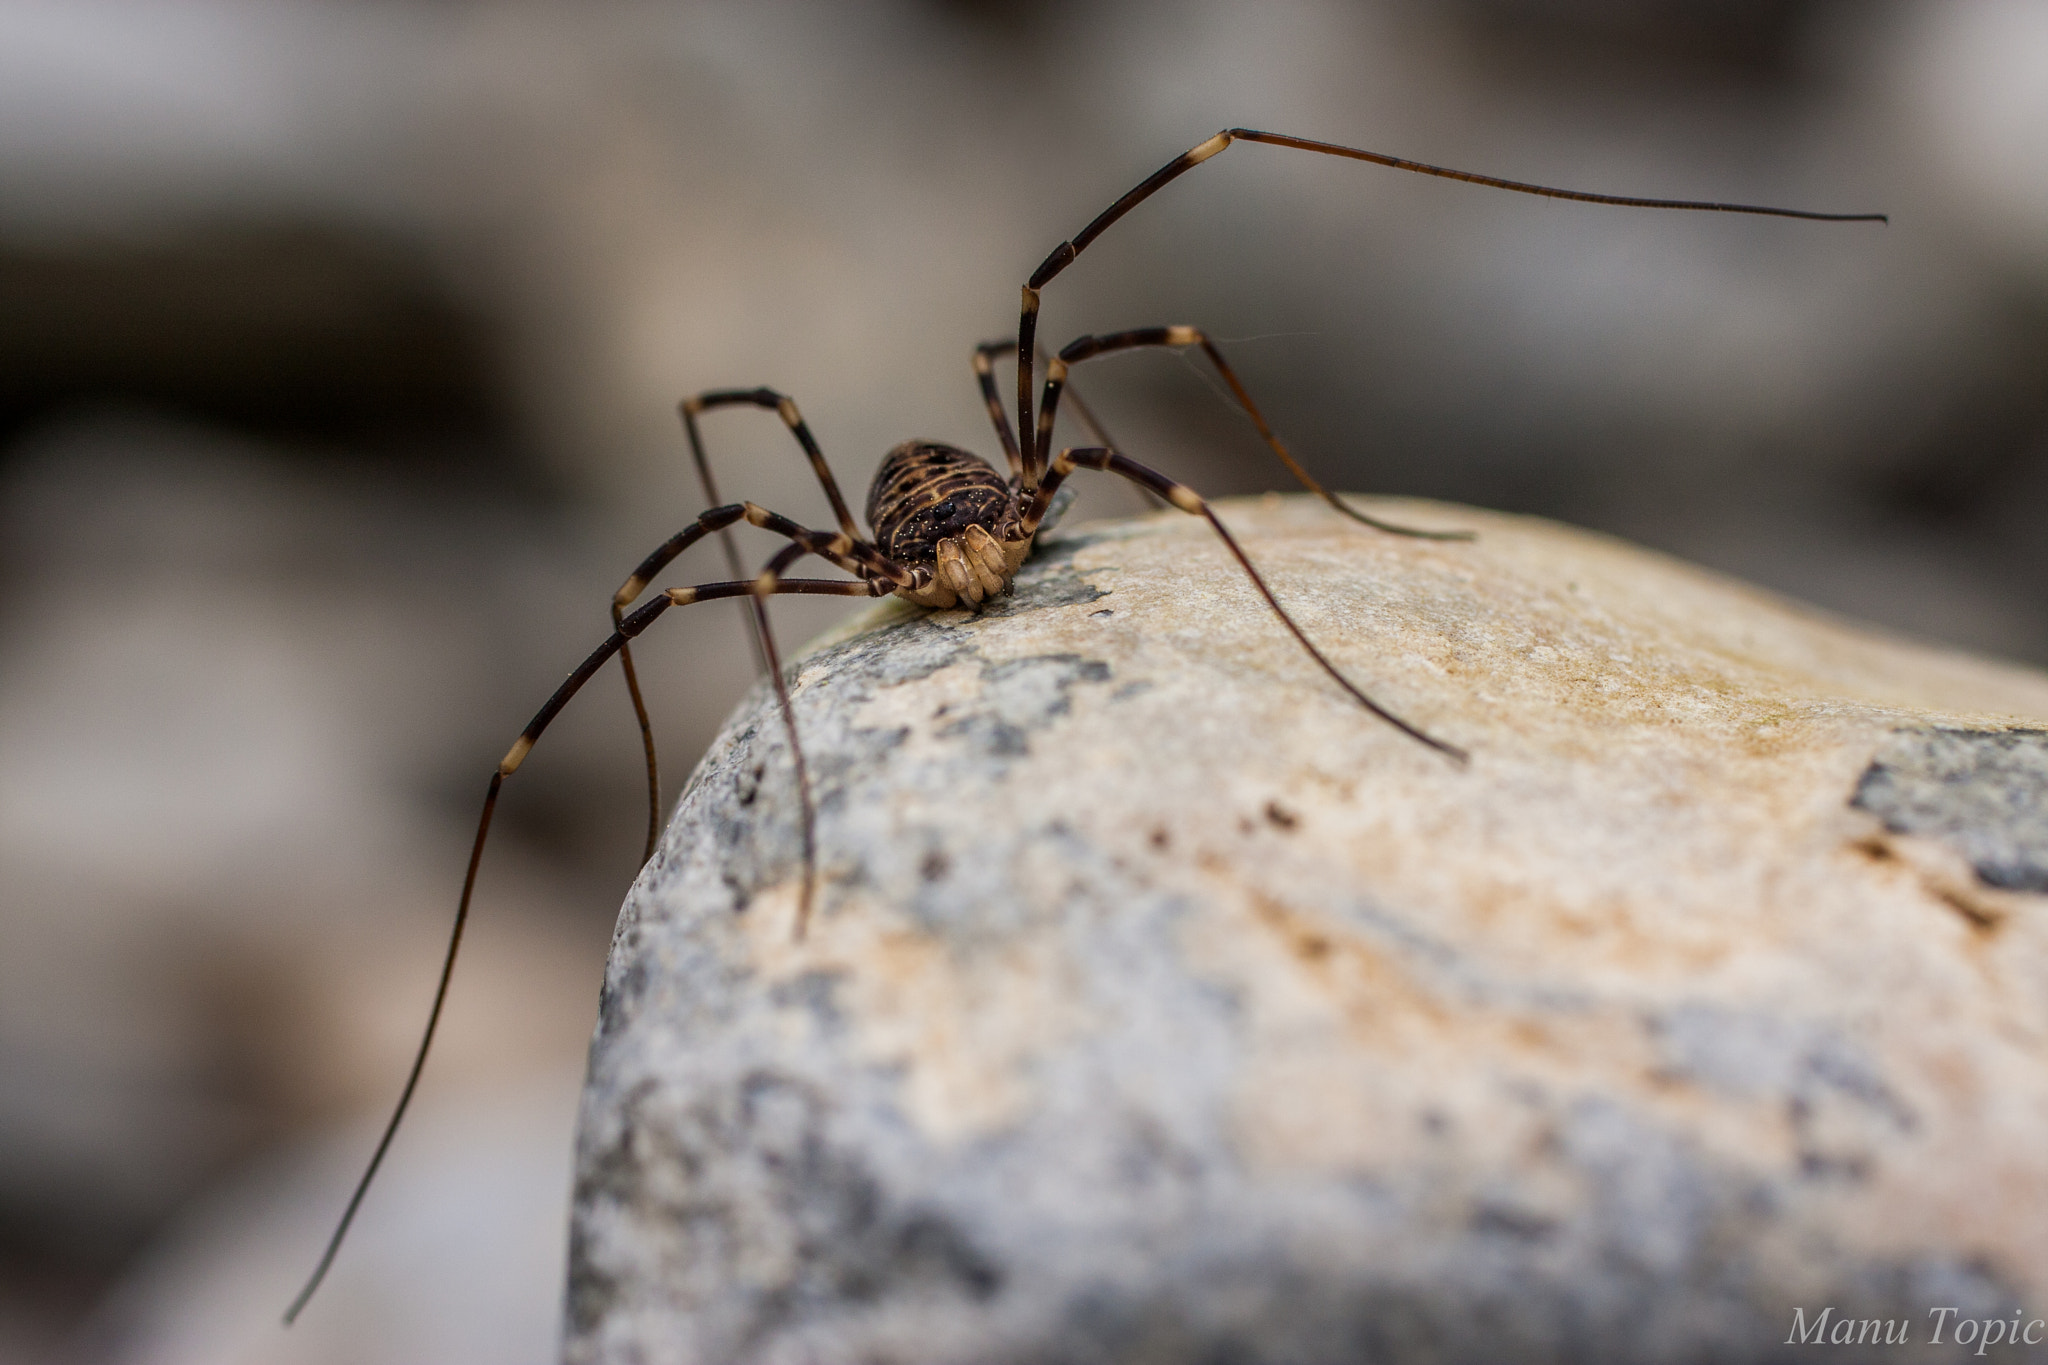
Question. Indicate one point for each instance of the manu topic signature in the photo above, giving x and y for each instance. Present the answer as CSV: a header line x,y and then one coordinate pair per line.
x,y
1944,1326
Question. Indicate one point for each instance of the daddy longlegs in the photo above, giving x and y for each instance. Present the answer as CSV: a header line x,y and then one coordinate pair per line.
x,y
948,530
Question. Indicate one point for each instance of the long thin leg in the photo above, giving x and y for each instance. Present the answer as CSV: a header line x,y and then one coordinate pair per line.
x,y
708,482
632,677
719,519
1063,255
1147,499
855,556
707,485
1187,500
851,553
984,374
764,584
629,627
786,407
1090,347
690,408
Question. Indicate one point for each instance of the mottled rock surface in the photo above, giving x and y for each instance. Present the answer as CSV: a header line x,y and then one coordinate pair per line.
x,y
1161,1005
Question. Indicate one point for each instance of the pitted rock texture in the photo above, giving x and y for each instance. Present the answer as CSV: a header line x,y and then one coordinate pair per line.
x,y
1161,1005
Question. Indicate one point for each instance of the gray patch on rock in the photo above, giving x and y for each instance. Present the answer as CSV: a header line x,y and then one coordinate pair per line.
x,y
1018,697
895,654
1052,552
1836,1102
1057,585
1984,793
1049,578
1754,1054
769,1206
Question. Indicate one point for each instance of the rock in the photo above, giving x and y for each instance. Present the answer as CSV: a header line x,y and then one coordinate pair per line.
x,y
1162,1005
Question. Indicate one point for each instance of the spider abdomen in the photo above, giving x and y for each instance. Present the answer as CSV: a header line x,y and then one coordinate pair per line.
x,y
926,492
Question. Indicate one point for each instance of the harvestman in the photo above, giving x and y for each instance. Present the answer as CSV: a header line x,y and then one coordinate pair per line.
x,y
949,531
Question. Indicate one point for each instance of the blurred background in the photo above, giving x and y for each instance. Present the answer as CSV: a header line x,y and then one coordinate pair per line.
x,y
339,352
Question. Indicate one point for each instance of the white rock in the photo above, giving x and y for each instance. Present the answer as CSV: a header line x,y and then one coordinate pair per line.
x,y
1162,1005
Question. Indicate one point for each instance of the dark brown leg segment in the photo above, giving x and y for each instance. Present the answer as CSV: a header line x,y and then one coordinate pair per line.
x,y
855,556
1187,500
719,519
786,407
629,627
985,376
850,553
765,584
690,408
1063,255
1088,348
708,482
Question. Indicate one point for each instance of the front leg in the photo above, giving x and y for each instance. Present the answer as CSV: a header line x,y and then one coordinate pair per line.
x,y
1189,501
1090,347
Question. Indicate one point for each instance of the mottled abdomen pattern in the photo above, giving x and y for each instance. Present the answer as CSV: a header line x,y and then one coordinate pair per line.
x,y
925,492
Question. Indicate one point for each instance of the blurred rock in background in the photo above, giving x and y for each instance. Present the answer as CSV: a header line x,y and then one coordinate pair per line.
x,y
339,349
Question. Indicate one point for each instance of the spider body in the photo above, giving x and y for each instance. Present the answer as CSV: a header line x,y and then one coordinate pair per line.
x,y
948,528
952,520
